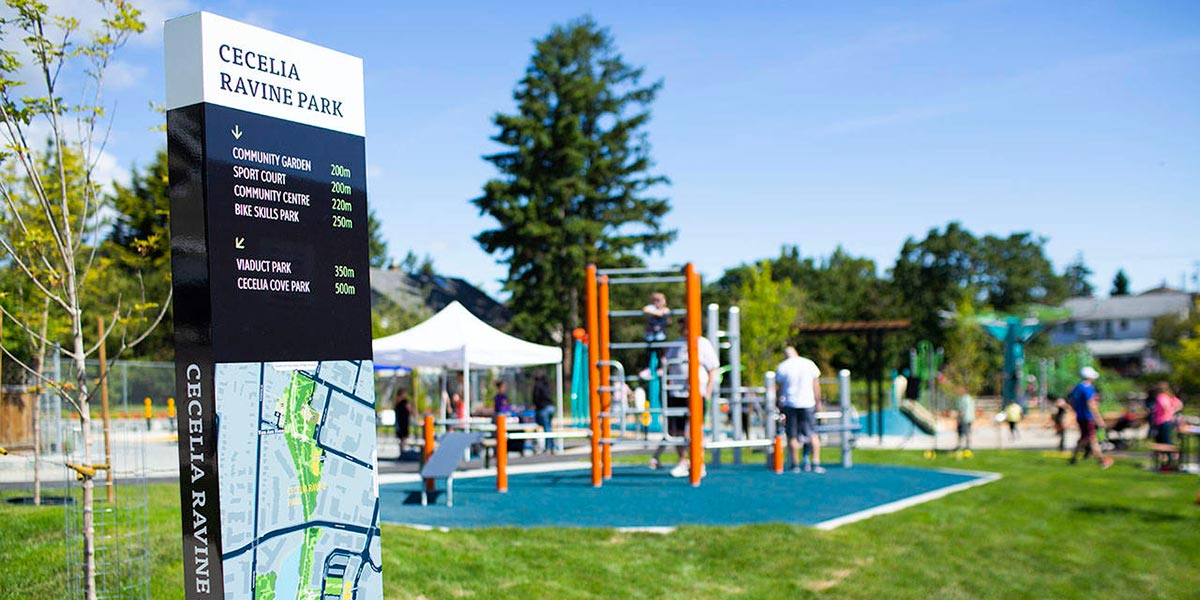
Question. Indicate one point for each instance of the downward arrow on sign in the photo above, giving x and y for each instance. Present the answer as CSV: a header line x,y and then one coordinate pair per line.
x,y
239,243
237,132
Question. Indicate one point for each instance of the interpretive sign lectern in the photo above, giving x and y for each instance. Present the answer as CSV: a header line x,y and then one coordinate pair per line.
x,y
272,315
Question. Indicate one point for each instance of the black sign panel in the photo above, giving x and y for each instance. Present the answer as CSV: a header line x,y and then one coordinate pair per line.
x,y
287,222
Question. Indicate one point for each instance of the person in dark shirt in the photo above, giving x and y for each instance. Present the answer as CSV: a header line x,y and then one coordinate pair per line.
x,y
403,418
502,405
543,404
1060,422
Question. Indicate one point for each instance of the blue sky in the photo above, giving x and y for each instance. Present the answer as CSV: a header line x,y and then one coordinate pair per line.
x,y
816,124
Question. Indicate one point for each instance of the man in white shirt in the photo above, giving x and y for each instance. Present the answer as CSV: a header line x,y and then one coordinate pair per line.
x,y
676,360
798,381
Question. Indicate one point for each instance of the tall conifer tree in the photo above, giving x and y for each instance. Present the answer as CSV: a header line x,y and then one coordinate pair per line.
x,y
574,178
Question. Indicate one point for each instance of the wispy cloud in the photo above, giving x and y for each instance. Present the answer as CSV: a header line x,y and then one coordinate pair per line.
x,y
900,116
1053,77
89,13
122,75
881,41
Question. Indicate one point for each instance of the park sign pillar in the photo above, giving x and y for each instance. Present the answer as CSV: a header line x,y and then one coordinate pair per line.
x,y
267,162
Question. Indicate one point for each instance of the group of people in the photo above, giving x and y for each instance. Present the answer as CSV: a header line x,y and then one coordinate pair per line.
x,y
799,399
797,381
540,395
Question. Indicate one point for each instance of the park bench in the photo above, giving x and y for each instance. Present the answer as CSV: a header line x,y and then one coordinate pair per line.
x,y
444,461
1166,456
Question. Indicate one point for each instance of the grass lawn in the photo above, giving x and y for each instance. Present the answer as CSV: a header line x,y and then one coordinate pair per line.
x,y
1045,530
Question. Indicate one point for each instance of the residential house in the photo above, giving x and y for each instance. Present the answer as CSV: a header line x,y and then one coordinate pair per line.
x,y
435,292
1116,330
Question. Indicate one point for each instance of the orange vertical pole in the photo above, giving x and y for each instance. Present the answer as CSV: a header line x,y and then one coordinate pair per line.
x,y
429,447
605,379
695,394
777,459
501,454
593,326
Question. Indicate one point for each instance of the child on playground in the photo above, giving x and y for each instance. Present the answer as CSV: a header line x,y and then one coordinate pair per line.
x,y
1060,425
1012,414
657,313
965,407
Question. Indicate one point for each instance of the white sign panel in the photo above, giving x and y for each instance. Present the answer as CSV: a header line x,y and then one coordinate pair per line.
x,y
252,69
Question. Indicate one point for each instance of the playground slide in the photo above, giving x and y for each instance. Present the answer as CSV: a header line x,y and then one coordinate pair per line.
x,y
919,415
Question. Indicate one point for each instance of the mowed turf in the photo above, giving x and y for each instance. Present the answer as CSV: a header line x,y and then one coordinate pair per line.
x,y
1045,530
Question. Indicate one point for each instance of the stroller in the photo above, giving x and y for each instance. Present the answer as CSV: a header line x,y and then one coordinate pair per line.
x,y
1118,435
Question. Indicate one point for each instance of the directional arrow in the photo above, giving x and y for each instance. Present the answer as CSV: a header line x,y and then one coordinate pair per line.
x,y
239,243
236,131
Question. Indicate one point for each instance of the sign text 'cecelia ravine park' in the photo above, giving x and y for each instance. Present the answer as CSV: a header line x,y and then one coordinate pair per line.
x,y
278,479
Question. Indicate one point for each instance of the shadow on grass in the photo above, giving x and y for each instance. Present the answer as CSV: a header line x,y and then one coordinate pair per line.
x,y
1142,514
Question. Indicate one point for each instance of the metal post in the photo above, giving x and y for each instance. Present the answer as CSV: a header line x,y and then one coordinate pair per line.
x,y
558,387
1043,384
104,414
428,450
713,334
124,386
593,326
501,454
844,400
606,385
771,409
769,426
56,406
695,402
734,332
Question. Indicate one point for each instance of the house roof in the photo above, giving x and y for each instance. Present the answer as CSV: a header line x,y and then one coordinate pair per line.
x,y
1117,348
1128,307
437,292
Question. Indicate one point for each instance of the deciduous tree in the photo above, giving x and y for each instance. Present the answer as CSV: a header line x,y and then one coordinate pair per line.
x,y
768,312
62,213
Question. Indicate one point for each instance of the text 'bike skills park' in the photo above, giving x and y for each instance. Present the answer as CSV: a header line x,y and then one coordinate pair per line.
x,y
272,314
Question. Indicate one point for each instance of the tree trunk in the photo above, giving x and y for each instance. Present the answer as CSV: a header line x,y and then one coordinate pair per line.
x,y
85,436
568,340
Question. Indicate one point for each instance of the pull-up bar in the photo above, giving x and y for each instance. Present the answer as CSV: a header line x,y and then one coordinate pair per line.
x,y
597,284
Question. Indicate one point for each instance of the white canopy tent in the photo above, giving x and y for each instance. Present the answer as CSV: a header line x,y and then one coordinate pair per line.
x,y
456,339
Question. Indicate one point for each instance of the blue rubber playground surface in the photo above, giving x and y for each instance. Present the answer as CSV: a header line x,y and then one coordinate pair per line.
x,y
637,497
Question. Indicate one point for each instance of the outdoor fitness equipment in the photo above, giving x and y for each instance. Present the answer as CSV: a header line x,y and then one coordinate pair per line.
x,y
603,385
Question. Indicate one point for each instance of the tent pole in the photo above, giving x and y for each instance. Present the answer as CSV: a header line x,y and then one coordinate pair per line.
x,y
445,394
558,389
467,389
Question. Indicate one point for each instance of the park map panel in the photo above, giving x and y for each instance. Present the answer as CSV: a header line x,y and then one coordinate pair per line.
x,y
298,465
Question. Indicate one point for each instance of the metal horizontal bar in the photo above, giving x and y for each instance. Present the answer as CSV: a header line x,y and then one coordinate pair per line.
x,y
637,270
638,313
662,279
644,443
635,345
759,443
545,435
838,427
